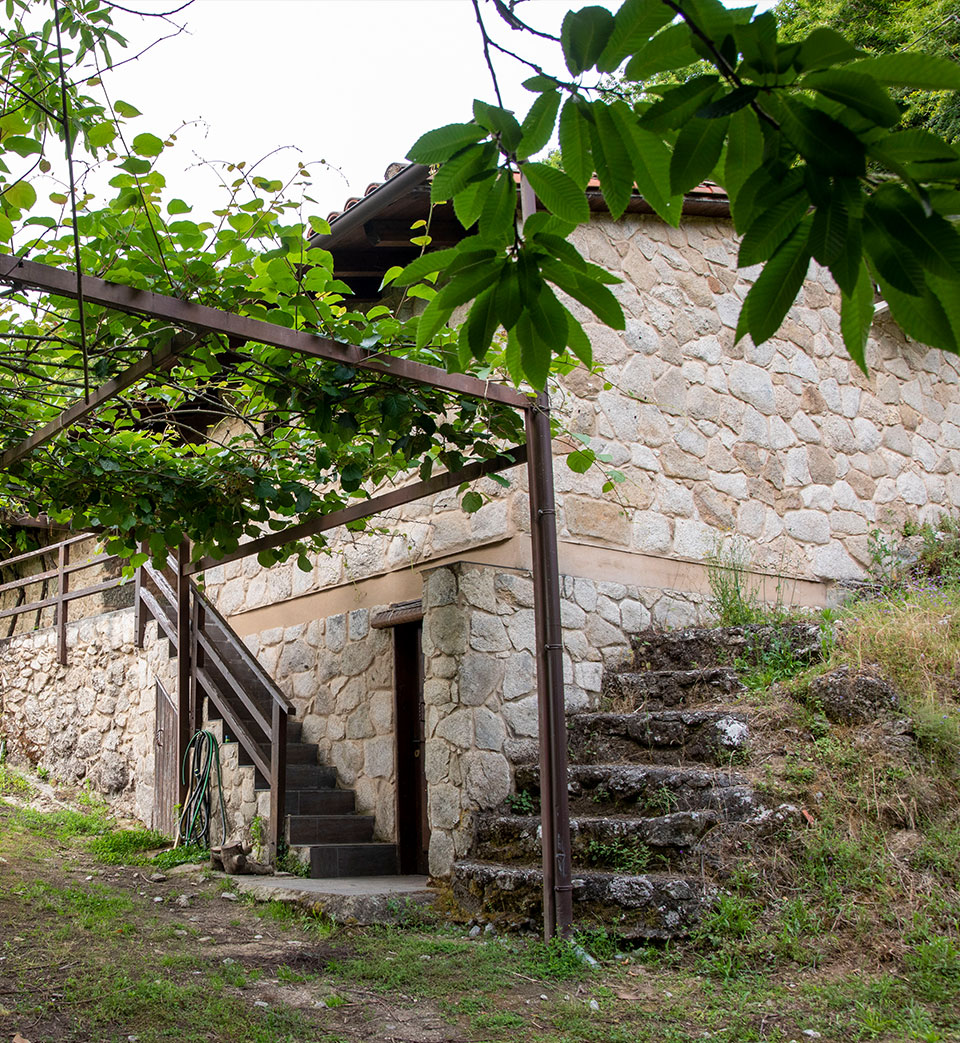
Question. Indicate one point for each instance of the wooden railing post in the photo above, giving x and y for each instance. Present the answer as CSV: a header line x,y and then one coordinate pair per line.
x,y
196,622
184,666
63,579
139,616
278,778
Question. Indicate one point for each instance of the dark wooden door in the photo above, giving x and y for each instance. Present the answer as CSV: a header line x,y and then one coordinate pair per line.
x,y
165,759
413,828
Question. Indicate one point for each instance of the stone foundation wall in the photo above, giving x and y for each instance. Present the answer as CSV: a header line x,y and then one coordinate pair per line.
x,y
92,720
338,672
480,680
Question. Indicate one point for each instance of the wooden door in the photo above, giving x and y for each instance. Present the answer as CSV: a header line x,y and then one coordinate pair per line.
x,y
413,828
165,787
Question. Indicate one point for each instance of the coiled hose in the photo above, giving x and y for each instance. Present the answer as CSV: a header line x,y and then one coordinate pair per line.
x,y
201,755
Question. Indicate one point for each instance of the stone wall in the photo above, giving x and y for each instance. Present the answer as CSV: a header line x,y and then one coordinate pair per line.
x,y
480,681
338,672
788,445
92,720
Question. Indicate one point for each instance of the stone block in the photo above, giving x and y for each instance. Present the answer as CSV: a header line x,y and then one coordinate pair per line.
x,y
487,633
480,676
601,519
519,675
521,627
447,628
378,757
487,778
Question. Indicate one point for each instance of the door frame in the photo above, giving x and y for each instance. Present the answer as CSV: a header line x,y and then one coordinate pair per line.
x,y
413,826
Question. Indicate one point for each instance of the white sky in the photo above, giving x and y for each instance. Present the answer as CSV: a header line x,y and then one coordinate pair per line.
x,y
352,82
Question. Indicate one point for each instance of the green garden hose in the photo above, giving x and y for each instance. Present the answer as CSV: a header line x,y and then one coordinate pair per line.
x,y
194,825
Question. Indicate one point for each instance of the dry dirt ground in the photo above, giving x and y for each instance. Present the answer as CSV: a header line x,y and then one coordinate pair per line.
x,y
98,952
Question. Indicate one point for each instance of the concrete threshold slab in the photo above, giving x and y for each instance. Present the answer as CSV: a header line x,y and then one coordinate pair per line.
x,y
358,900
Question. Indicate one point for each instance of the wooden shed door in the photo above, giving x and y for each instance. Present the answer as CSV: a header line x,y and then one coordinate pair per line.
x,y
165,781
413,829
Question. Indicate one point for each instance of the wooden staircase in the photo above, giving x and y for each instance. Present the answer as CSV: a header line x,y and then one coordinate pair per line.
x,y
222,681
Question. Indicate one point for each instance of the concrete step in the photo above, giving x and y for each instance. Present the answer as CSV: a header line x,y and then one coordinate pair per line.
x,y
656,906
666,689
321,802
644,789
336,860
306,830
613,843
696,647
660,737
304,776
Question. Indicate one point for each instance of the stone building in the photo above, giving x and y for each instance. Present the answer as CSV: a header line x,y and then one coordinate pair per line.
x,y
785,454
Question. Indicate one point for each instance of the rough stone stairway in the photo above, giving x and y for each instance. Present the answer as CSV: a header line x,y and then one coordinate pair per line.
x,y
656,797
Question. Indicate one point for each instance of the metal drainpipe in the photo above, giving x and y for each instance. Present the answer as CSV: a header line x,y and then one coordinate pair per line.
x,y
554,798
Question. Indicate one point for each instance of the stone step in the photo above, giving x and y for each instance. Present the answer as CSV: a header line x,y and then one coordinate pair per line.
x,y
339,860
650,906
660,737
321,802
305,830
697,647
645,789
664,689
602,842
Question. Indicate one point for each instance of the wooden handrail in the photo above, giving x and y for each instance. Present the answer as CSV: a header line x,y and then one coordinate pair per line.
x,y
68,570
49,549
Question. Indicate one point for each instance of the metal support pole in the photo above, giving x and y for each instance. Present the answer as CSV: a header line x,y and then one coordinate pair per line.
x,y
183,666
195,620
554,798
63,581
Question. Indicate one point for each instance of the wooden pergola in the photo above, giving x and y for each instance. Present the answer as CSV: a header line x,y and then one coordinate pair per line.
x,y
192,318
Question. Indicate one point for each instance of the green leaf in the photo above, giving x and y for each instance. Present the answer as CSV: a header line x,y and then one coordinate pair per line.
x,y
471,502
438,145
679,103
125,109
431,321
558,193
894,263
498,121
578,341
499,209
575,143
912,69
512,356
21,194
932,239
777,287
856,317
583,36
147,145
696,152
669,50
469,283
468,203
472,163
101,134
538,84
535,354
133,165
831,223
771,227
23,146
481,324
509,303
634,23
650,160
727,104
613,160
857,91
824,47
744,155
914,145
581,460
538,124
588,291
178,206
821,140
921,316
6,228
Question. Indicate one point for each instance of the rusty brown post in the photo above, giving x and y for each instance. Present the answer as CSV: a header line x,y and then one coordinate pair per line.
x,y
63,580
184,667
195,612
554,798
278,778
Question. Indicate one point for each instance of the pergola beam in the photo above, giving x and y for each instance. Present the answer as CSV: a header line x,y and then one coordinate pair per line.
x,y
199,317
150,362
367,508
